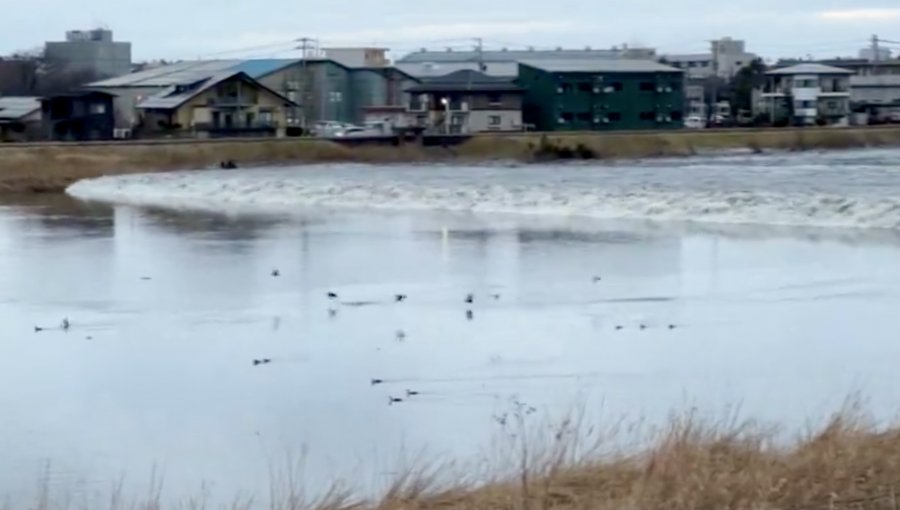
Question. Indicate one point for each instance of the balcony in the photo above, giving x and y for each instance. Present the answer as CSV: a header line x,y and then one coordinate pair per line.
x,y
231,101
258,128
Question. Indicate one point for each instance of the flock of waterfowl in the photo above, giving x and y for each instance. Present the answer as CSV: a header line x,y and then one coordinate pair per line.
x,y
469,299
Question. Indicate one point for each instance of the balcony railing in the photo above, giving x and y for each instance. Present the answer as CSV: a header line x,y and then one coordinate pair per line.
x,y
231,101
253,127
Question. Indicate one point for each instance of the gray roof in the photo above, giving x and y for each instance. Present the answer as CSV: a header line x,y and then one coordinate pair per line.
x,y
602,66
175,96
688,57
810,68
519,55
181,73
13,108
466,80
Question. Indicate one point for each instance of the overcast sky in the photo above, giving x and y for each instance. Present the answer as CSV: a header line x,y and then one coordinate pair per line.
x,y
209,28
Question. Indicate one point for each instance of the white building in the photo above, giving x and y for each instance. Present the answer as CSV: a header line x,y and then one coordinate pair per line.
x,y
807,94
726,57
358,57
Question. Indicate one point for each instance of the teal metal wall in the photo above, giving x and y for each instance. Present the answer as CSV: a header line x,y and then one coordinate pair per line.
x,y
608,101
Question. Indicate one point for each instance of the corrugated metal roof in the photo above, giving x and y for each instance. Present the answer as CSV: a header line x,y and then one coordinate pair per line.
x,y
601,66
688,57
175,96
466,80
519,55
171,74
258,68
810,68
181,73
12,108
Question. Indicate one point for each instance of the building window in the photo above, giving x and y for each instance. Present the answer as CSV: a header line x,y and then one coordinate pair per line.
x,y
676,86
495,120
335,97
614,116
616,86
804,105
648,116
676,116
494,98
98,108
647,86
584,116
566,117
585,87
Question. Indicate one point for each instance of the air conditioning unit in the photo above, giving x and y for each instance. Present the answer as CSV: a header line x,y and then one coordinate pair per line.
x,y
609,90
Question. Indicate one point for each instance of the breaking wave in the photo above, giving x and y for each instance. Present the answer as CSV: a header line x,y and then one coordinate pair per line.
x,y
696,194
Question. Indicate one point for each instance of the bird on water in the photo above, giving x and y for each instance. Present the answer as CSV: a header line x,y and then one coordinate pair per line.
x,y
400,298
394,400
376,382
470,298
332,295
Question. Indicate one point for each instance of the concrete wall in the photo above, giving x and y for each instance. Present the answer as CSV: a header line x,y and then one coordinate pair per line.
x,y
875,89
495,120
104,59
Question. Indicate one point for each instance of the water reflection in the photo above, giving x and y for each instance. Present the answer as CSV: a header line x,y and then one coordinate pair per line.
x,y
168,376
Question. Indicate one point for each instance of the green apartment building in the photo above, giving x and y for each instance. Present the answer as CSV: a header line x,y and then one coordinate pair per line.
x,y
602,95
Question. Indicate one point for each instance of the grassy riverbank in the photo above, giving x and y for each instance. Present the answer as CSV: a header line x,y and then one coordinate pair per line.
x,y
689,464
39,168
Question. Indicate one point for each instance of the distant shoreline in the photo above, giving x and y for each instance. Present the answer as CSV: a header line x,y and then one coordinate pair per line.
x,y
52,167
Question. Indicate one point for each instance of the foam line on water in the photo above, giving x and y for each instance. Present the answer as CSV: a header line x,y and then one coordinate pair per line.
x,y
288,191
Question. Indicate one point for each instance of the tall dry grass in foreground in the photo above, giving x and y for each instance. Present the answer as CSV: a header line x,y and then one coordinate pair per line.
x,y
689,464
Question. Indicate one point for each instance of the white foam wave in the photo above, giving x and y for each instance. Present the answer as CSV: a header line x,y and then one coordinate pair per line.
x,y
288,191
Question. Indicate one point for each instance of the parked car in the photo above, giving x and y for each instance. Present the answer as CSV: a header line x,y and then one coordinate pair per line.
x,y
695,122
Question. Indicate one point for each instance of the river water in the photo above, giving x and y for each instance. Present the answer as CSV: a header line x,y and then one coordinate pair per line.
x,y
764,282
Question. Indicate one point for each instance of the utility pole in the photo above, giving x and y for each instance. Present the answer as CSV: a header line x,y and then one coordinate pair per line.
x,y
306,46
479,49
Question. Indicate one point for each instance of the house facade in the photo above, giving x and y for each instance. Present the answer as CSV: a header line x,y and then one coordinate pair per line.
x,y
320,89
602,95
226,105
78,116
466,102
20,118
806,95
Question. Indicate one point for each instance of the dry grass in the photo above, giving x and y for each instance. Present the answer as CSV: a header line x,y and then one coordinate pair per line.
x,y
673,144
690,464
52,168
